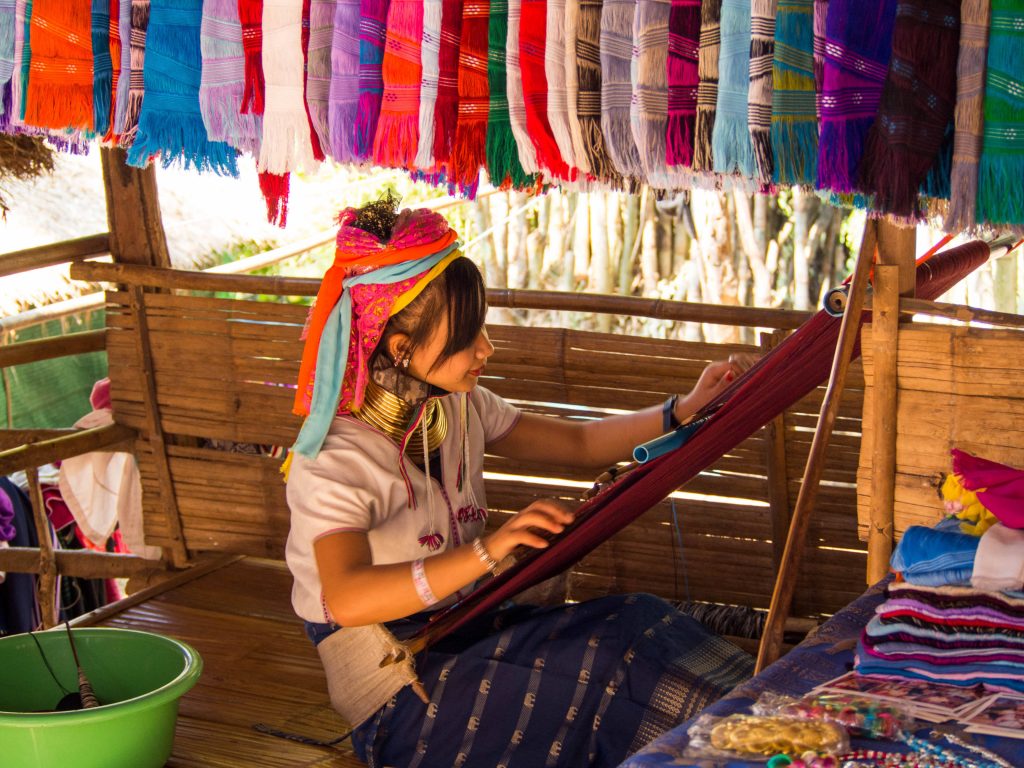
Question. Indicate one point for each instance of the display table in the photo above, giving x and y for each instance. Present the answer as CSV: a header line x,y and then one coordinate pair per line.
x,y
827,653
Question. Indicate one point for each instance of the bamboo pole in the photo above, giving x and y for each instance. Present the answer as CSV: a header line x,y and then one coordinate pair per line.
x,y
62,252
12,438
776,468
785,583
58,346
47,451
961,312
46,586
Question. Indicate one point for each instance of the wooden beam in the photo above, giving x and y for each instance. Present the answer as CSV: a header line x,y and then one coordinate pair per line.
x,y
785,584
897,245
12,438
47,451
961,312
87,247
58,346
777,468
83,563
133,211
46,585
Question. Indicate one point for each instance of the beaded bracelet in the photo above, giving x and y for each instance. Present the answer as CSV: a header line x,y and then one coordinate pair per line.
x,y
484,556
419,580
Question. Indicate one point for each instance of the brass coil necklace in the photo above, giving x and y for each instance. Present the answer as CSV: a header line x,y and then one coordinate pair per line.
x,y
390,414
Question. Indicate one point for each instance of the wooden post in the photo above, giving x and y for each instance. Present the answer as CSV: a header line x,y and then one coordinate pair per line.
x,y
46,588
133,211
785,584
777,468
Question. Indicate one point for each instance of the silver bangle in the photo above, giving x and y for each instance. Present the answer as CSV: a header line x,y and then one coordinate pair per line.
x,y
484,556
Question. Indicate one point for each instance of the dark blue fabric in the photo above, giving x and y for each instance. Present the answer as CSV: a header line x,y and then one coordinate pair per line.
x,y
18,610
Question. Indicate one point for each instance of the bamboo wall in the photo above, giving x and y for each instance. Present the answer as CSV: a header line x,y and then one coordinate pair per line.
x,y
956,387
224,369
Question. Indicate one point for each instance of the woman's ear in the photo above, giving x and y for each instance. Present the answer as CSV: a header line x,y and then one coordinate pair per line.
x,y
397,344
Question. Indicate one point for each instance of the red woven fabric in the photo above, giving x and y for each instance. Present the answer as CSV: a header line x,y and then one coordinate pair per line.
x,y
470,149
532,28
250,14
446,109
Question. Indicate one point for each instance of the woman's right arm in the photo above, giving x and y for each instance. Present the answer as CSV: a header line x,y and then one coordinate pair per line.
x,y
358,592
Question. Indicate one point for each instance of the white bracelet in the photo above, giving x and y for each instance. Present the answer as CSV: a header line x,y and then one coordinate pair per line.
x,y
484,555
419,580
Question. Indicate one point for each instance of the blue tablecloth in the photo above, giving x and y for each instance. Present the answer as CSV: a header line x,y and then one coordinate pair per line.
x,y
826,654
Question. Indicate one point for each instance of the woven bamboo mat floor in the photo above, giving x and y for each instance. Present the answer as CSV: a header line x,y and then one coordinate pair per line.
x,y
258,667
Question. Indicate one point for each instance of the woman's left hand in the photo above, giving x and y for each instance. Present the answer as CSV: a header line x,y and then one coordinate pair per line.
x,y
712,382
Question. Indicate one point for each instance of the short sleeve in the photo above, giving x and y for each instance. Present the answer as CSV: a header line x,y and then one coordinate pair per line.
x,y
324,497
497,416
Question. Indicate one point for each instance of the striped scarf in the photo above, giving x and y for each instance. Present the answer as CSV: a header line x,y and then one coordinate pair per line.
x,y
532,31
503,164
318,69
124,26
731,146
314,138
759,101
554,74
820,24
137,62
372,17
588,99
969,115
59,93
572,85
344,90
707,88
22,56
514,85
469,152
1002,154
446,111
250,15
223,78
648,112
857,50
114,41
171,123
916,105
617,86
683,80
430,56
395,142
794,131
102,66
7,20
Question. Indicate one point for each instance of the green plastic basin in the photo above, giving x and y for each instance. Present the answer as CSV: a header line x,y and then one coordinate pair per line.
x,y
137,676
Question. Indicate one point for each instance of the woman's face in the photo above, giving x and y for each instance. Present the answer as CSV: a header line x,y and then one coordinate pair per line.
x,y
461,371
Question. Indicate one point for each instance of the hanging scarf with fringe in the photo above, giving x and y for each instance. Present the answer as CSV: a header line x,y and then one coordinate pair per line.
x,y
503,165
707,88
59,95
22,57
683,80
794,131
648,114
171,123
395,143
857,49
514,85
617,86
588,100
223,78
318,69
532,32
7,18
554,75
969,114
469,152
572,86
916,105
430,59
124,27
731,146
137,63
314,138
250,14
759,101
446,110
102,66
373,16
820,25
344,89
114,42
1002,153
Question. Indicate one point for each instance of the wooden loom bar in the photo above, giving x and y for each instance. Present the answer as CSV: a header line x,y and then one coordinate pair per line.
x,y
46,451
785,584
154,428
84,564
58,346
46,587
86,247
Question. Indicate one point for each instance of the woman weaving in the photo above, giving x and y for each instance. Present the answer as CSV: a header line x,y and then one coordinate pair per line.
x,y
388,514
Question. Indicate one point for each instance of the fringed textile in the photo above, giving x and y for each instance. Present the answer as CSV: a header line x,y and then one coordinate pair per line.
x,y
820,25
617,86
554,74
532,31
22,55
102,66
372,17
287,141
7,20
571,25
469,153
648,112
707,88
114,41
857,51
446,111
59,93
275,188
588,98
794,132
969,114
731,145
395,142
250,14
430,58
683,81
916,105
514,86
223,78
1002,155
314,139
759,101
171,123
502,153
318,69
344,90
137,62
124,25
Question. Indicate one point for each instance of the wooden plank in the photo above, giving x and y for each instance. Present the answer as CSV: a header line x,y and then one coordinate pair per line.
x,y
48,255
81,441
84,564
47,349
46,584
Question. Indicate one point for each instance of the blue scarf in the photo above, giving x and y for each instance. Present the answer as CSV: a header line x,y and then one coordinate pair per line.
x,y
102,66
732,148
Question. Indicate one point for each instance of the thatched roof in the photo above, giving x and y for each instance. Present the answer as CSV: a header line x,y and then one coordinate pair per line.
x,y
21,158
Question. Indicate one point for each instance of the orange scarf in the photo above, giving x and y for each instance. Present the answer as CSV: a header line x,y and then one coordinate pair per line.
x,y
60,94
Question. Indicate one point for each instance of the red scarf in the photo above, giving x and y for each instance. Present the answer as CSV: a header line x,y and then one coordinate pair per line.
x,y
250,14
532,28
470,149
446,109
